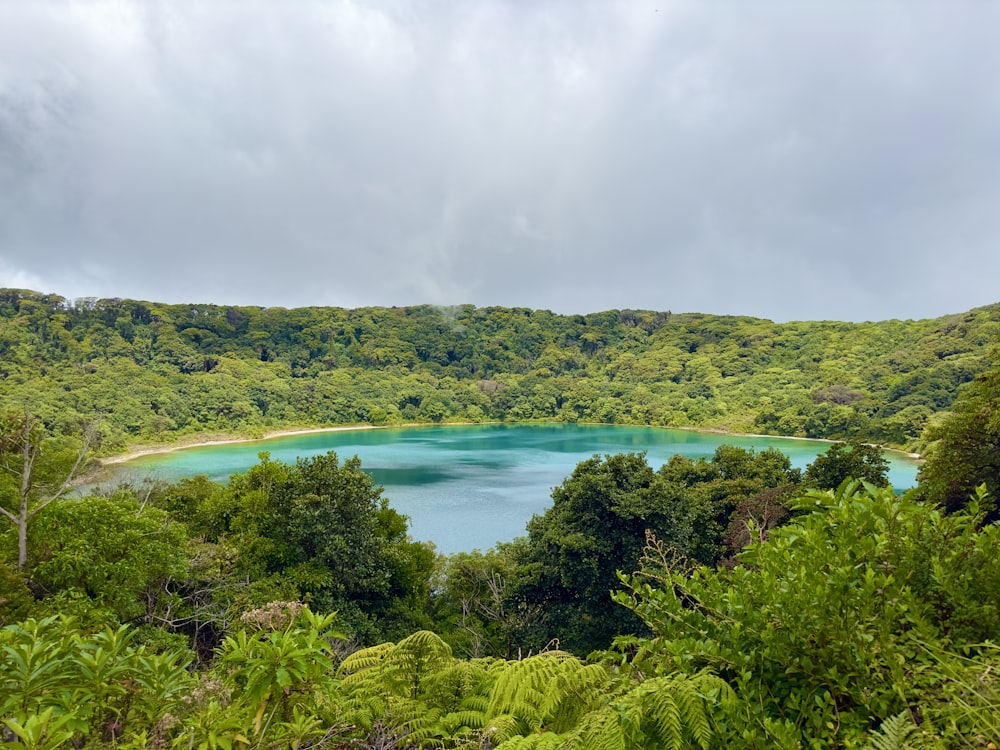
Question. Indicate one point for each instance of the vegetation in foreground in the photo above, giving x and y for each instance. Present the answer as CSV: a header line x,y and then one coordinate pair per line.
x,y
867,621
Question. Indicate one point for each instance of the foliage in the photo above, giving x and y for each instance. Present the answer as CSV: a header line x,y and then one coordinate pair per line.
x,y
284,669
107,556
35,470
838,622
475,606
321,531
16,600
842,461
551,699
867,621
59,682
965,451
157,372
598,525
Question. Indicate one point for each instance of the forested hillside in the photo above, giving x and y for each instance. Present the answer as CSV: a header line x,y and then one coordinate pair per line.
x,y
155,371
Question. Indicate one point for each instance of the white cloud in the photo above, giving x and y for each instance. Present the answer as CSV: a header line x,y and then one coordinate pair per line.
x,y
794,161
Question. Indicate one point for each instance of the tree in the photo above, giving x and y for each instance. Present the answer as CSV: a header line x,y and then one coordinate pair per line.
x,y
598,525
595,527
111,555
323,529
34,471
733,485
862,608
475,607
853,460
965,451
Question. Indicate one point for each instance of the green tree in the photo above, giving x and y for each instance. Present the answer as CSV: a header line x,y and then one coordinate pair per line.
x,y
16,601
965,448
595,527
853,613
853,460
110,557
598,525
35,470
475,606
324,529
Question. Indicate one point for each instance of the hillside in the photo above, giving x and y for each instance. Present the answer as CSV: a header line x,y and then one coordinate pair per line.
x,y
158,371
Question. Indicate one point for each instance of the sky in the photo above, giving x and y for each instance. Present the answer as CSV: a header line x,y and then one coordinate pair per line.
x,y
787,160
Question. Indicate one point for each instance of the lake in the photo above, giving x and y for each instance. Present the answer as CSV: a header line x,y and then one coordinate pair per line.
x,y
469,487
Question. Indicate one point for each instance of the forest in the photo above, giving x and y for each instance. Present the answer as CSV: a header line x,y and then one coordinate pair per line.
x,y
732,601
155,373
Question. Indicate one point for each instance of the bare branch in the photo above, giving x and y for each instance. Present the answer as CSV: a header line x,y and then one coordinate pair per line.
x,y
89,434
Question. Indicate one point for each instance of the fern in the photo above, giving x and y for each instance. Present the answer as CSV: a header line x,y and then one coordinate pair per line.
x,y
353,668
544,741
414,660
896,733
552,689
674,711
501,728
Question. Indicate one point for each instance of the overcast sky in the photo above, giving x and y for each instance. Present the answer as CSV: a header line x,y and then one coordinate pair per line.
x,y
789,160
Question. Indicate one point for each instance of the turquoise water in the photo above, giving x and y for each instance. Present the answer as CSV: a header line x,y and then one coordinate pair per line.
x,y
469,487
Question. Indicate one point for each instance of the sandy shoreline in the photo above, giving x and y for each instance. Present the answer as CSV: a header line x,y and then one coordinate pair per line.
x,y
151,450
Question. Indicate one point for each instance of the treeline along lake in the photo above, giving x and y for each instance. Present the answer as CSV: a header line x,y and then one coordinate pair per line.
x,y
470,486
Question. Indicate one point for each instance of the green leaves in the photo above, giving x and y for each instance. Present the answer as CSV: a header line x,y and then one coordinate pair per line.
x,y
599,520
43,731
828,626
110,551
57,679
321,530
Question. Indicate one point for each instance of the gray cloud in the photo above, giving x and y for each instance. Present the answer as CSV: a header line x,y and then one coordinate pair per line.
x,y
787,160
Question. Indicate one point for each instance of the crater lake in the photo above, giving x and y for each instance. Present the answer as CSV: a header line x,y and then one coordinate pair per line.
x,y
468,487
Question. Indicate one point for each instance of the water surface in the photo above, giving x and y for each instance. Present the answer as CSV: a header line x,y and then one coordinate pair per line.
x,y
468,487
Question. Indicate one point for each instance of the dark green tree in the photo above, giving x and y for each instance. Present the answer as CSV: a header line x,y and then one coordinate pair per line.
x,y
107,558
595,527
733,486
16,601
965,448
599,522
853,460
321,530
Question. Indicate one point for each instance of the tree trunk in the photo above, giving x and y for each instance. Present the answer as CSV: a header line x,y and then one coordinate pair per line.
x,y
22,538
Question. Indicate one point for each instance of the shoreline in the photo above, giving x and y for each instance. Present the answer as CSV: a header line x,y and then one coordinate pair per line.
x,y
152,450
898,451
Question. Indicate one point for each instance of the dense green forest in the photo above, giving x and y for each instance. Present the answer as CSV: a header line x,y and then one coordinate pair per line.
x,y
154,372
732,601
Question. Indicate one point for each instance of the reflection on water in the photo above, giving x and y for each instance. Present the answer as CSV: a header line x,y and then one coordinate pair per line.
x,y
467,487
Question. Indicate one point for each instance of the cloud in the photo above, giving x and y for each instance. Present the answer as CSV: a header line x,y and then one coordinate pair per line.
x,y
793,161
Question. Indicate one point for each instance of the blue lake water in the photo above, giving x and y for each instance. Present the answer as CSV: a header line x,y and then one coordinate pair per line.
x,y
469,487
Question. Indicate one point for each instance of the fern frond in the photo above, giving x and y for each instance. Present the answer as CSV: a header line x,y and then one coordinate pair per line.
x,y
895,733
363,659
670,712
480,703
544,741
598,730
501,728
414,660
533,687
456,720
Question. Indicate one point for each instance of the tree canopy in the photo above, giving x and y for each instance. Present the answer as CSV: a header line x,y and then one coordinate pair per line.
x,y
156,372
